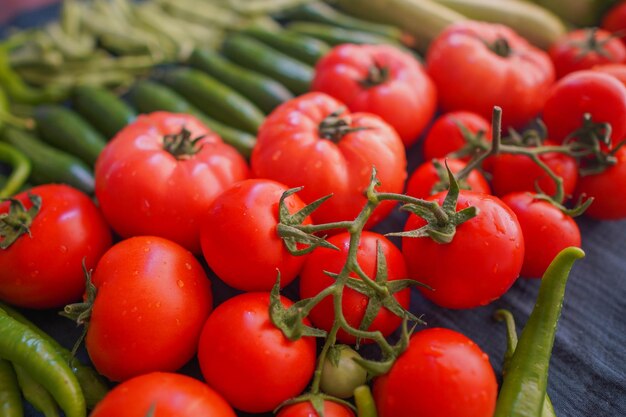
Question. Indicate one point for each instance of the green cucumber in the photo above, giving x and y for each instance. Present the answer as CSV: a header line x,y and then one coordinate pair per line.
x,y
336,36
257,56
266,93
303,48
103,109
66,130
214,98
319,12
50,164
147,97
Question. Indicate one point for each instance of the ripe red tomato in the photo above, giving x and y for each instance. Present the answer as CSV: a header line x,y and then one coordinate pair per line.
x,y
546,231
583,48
600,95
305,409
477,65
248,360
607,188
425,178
313,280
441,374
379,79
147,187
511,172
480,264
44,269
152,300
301,143
171,395
615,20
242,222
446,136
616,70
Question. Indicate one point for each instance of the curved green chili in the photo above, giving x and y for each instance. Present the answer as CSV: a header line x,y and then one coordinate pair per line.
x,y
511,344
23,347
93,386
35,393
10,398
365,405
20,172
523,391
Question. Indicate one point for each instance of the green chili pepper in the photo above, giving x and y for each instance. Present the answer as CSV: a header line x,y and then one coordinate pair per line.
x,y
20,172
93,386
364,402
26,348
35,393
10,398
523,391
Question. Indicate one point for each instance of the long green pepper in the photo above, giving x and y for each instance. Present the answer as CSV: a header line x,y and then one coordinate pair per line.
x,y
35,393
10,398
523,391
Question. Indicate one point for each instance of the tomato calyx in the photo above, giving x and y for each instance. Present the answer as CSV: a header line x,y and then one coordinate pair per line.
x,y
500,47
474,142
181,145
334,127
17,220
591,44
377,74
444,180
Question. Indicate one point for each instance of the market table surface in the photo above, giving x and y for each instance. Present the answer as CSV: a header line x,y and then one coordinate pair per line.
x,y
588,367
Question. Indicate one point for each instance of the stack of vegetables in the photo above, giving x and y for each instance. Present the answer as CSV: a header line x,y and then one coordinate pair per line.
x,y
263,143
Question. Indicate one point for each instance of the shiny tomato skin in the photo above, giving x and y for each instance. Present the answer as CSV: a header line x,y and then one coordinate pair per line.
x,y
424,178
608,203
305,409
248,360
441,374
44,270
172,395
406,99
470,76
313,280
512,173
480,264
145,190
445,135
616,70
572,53
152,300
290,150
600,95
242,221
546,229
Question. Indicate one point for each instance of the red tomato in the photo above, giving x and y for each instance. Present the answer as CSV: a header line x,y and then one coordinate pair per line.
x,y
146,189
446,136
305,409
295,147
600,95
546,231
583,48
616,70
607,189
313,280
441,374
425,178
480,264
520,173
477,65
242,222
171,395
615,20
248,360
379,79
44,270
153,298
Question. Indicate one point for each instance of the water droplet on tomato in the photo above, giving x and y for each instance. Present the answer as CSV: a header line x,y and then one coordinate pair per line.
x,y
188,265
63,249
180,283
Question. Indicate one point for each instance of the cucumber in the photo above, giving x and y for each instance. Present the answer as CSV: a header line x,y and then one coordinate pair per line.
x,y
303,48
214,98
67,131
423,19
337,36
259,57
578,12
103,109
538,25
266,93
147,97
50,164
322,13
